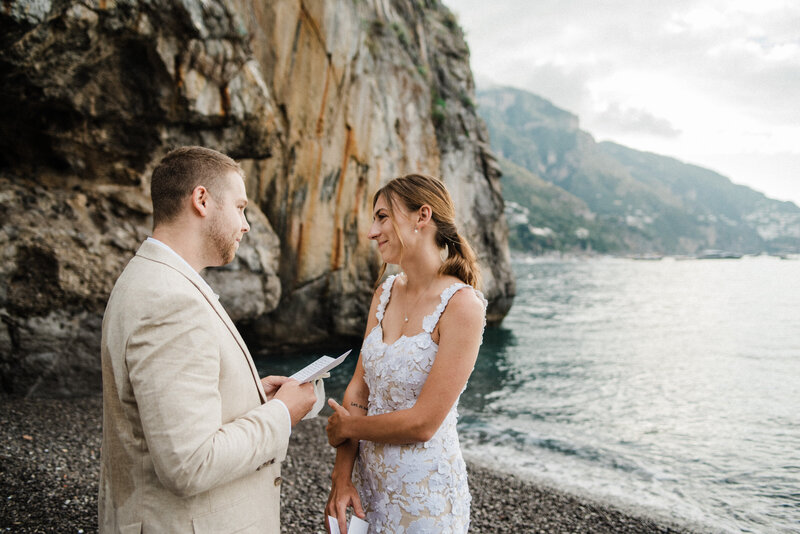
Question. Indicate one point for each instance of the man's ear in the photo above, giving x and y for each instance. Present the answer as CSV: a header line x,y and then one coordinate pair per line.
x,y
200,198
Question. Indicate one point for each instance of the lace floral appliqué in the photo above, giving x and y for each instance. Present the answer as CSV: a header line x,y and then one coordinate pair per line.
x,y
419,488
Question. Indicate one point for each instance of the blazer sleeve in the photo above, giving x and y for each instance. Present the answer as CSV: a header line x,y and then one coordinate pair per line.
x,y
173,364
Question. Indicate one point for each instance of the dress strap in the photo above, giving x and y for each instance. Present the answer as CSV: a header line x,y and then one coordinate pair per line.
x,y
386,291
430,321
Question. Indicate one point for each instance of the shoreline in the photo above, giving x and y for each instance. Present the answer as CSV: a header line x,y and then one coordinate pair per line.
x,y
582,495
49,465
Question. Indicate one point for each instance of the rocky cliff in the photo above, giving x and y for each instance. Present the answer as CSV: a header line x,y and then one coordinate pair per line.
x,y
321,102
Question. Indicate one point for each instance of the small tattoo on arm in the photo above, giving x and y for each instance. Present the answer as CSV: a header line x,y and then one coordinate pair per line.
x,y
357,405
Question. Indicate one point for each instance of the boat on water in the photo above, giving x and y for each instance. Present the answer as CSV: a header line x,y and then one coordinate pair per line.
x,y
647,257
711,254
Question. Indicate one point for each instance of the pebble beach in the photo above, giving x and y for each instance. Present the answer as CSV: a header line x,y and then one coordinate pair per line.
x,y
49,466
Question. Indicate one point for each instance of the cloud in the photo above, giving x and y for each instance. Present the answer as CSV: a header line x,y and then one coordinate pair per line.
x,y
619,119
682,77
742,53
565,86
760,76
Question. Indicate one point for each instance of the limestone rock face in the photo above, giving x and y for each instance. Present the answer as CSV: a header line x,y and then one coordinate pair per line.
x,y
321,102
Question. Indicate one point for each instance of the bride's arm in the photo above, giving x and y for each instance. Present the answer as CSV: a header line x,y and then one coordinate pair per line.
x,y
460,331
355,399
343,494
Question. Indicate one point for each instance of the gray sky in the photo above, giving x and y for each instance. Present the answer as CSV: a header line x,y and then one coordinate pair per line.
x,y
710,82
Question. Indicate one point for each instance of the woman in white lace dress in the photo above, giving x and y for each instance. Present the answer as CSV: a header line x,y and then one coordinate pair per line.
x,y
398,460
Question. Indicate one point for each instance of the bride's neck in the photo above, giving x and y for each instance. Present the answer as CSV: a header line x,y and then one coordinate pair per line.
x,y
421,270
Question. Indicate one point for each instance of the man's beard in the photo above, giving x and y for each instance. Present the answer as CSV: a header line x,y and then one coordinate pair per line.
x,y
223,245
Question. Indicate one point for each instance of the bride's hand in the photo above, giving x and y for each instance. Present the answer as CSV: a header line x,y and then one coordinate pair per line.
x,y
335,428
343,495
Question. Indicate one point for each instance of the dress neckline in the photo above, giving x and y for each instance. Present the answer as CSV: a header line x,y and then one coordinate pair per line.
x,y
429,322
402,336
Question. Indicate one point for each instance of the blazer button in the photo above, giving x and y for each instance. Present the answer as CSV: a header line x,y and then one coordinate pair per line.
x,y
278,481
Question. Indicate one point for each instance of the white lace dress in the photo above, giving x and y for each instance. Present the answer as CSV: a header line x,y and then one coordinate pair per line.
x,y
419,488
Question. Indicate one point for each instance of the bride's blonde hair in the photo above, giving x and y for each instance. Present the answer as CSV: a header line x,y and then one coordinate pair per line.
x,y
415,190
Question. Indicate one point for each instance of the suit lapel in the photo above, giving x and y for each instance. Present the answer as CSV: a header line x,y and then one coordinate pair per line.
x,y
214,301
154,252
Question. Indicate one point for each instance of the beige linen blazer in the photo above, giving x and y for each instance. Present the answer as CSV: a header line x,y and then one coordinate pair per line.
x,y
190,443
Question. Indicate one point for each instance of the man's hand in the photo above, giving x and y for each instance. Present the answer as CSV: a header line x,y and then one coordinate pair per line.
x,y
272,383
298,398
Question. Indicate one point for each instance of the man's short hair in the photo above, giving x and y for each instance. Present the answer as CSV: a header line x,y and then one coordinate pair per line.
x,y
180,172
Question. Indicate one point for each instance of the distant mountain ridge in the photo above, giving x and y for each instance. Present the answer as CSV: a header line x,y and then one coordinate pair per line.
x,y
565,191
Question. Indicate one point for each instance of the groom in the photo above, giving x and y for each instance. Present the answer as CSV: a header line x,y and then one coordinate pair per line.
x,y
192,439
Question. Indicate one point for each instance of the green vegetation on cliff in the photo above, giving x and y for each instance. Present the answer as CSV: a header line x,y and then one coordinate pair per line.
x,y
542,216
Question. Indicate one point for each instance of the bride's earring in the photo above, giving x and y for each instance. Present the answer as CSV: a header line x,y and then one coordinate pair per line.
x,y
416,230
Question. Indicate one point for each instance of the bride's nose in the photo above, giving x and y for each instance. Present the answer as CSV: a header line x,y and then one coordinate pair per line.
x,y
373,232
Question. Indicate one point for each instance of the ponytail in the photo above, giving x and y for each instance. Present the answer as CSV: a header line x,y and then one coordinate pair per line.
x,y
461,261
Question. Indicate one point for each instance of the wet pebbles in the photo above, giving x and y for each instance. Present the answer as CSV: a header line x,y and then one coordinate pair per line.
x,y
49,465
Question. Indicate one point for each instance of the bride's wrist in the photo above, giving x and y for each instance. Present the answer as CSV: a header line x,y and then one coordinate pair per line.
x,y
341,477
347,427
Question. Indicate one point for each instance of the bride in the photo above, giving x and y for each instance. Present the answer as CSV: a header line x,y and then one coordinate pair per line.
x,y
398,459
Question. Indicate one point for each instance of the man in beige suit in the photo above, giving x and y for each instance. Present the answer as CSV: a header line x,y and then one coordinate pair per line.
x,y
192,438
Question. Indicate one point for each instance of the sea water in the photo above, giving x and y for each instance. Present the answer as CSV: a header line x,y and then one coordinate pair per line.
x,y
669,386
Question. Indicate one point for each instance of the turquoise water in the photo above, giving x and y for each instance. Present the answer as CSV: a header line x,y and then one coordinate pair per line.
x,y
669,386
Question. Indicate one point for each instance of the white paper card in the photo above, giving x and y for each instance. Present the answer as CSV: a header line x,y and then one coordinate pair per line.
x,y
318,368
357,525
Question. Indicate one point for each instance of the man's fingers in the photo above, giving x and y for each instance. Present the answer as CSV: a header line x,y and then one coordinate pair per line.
x,y
275,379
272,383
